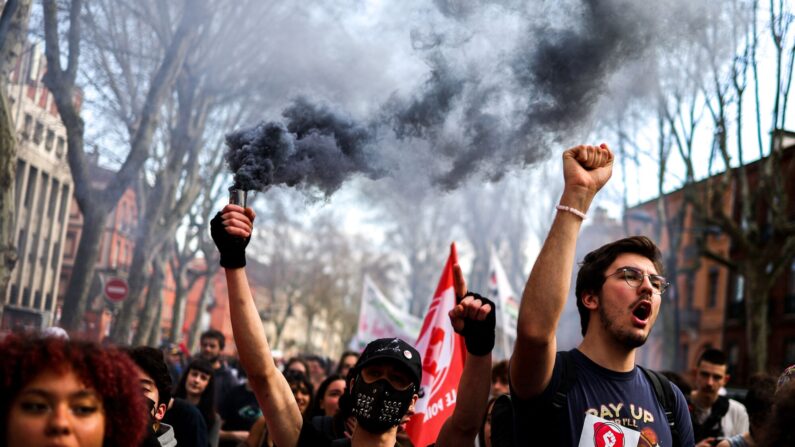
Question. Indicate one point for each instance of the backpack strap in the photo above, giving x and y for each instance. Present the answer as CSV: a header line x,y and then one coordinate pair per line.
x,y
568,378
666,397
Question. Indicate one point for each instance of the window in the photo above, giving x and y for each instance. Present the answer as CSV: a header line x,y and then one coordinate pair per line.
x,y
64,200
691,289
28,127
736,306
739,289
14,294
71,244
714,274
50,140
43,257
789,353
60,147
34,173
48,302
38,134
37,300
56,253
53,197
21,242
20,175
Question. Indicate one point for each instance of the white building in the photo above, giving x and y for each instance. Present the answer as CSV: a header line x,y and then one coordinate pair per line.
x,y
43,191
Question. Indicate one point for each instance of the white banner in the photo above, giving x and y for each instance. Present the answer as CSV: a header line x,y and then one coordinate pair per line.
x,y
507,308
379,318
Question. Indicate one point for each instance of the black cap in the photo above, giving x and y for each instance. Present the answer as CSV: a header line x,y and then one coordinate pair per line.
x,y
393,349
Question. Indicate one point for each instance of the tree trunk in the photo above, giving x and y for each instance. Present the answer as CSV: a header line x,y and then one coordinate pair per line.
x,y
155,335
137,279
757,292
154,301
180,301
207,291
77,294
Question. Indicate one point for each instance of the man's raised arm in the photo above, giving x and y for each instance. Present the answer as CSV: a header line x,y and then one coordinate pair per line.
x,y
585,170
231,231
474,318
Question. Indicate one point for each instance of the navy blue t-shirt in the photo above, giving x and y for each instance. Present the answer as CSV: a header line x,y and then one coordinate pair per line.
x,y
626,398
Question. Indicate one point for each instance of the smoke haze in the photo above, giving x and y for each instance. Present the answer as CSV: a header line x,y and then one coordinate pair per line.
x,y
445,92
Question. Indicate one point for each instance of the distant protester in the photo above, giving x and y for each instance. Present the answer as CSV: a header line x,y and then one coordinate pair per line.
x,y
59,392
197,387
327,399
155,385
347,361
778,431
296,364
213,343
758,403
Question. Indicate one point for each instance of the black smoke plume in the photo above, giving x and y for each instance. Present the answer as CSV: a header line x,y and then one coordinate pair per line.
x,y
316,147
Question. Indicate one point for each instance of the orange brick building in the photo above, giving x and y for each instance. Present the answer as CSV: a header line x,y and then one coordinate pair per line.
x,y
709,298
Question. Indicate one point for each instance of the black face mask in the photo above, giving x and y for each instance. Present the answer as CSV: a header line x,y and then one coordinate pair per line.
x,y
152,405
378,406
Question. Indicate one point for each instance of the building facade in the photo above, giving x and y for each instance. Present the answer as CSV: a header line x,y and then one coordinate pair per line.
x,y
43,190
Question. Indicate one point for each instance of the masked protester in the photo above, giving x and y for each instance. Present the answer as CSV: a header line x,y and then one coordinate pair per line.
x,y
385,382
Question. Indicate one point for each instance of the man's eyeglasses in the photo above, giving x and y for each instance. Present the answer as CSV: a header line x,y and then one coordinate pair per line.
x,y
634,279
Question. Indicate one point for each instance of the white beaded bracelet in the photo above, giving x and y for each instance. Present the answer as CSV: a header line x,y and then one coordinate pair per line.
x,y
571,210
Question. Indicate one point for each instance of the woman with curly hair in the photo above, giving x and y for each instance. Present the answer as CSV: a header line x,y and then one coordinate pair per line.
x,y
59,392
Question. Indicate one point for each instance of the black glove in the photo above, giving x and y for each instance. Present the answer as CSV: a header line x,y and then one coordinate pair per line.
x,y
232,248
479,335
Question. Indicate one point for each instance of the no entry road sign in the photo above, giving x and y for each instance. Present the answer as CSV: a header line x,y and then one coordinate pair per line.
x,y
116,289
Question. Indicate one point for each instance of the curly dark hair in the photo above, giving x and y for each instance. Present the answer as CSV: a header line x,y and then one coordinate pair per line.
x,y
206,404
106,370
591,276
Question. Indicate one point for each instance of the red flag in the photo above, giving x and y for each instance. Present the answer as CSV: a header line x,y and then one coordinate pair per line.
x,y
442,352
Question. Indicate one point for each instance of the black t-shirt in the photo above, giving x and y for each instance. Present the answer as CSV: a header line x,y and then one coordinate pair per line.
x,y
627,399
239,410
188,422
224,382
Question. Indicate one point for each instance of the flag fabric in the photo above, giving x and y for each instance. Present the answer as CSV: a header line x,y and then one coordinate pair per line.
x,y
443,353
507,308
379,318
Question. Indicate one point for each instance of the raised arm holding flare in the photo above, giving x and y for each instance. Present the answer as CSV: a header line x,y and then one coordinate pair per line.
x,y
593,395
231,230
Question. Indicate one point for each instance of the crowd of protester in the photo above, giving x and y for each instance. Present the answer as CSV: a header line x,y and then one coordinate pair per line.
x,y
59,392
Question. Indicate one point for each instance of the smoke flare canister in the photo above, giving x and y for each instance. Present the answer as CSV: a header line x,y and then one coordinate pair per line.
x,y
238,196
